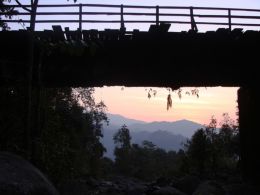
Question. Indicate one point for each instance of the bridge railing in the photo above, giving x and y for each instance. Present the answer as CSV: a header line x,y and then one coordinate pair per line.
x,y
233,17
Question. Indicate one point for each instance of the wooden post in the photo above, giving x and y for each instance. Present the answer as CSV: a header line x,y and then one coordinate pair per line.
x,y
248,104
37,91
192,21
80,17
28,122
157,16
229,19
122,26
33,15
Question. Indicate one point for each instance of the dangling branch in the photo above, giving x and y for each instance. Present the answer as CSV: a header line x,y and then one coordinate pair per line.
x,y
22,6
169,102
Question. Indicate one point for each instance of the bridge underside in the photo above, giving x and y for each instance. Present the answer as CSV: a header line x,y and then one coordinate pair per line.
x,y
220,58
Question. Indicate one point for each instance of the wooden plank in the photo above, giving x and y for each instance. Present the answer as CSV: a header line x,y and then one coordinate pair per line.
x,y
59,35
86,35
162,28
131,21
111,34
47,35
72,35
68,34
136,6
153,28
94,34
133,14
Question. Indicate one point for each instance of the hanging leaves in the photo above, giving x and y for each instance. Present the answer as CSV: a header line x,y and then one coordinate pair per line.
x,y
151,91
154,93
195,92
179,93
169,102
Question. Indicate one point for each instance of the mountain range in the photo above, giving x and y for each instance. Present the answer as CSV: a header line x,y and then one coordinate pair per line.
x,y
166,135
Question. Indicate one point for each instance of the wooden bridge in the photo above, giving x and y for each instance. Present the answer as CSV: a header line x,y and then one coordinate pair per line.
x,y
133,58
59,57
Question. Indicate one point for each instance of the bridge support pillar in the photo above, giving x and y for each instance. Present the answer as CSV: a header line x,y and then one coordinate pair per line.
x,y
249,122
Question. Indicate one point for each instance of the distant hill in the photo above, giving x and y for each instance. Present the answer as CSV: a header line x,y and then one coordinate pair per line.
x,y
119,120
185,128
162,139
166,135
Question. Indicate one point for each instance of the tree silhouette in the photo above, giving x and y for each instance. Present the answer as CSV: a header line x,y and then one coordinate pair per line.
x,y
198,152
211,151
10,10
122,139
7,12
68,145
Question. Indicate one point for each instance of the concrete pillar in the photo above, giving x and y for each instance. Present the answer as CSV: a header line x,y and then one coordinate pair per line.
x,y
249,122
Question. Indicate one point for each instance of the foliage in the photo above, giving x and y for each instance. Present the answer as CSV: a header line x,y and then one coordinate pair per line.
x,y
7,11
169,102
198,151
68,146
150,162
211,151
147,162
152,93
12,117
122,139
10,11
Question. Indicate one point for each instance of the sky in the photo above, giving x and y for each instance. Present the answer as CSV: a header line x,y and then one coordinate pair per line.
x,y
215,3
134,103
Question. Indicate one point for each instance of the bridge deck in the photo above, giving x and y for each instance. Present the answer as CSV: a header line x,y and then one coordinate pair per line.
x,y
157,58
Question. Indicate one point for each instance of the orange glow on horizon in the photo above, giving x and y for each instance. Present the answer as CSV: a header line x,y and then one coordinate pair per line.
x,y
134,103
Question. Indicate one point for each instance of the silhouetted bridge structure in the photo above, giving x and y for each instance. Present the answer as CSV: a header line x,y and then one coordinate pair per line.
x,y
120,57
225,57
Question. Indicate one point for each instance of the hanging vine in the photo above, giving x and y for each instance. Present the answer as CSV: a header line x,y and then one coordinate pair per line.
x,y
152,93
